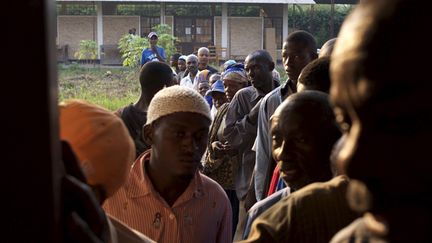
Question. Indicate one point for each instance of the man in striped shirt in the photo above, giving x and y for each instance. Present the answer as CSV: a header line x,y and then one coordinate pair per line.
x,y
165,196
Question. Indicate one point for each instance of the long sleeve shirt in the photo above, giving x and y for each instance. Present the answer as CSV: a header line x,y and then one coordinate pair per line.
x,y
264,161
241,134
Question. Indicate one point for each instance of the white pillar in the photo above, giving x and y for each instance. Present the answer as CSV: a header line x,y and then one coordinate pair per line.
x,y
285,22
162,12
224,37
99,21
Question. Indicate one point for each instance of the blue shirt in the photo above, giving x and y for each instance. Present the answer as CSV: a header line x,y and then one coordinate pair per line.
x,y
149,56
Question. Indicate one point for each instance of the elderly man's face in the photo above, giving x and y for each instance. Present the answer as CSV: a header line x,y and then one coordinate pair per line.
x,y
203,57
192,65
300,145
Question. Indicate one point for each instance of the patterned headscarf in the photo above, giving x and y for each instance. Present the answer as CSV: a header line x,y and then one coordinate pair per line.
x,y
203,75
235,72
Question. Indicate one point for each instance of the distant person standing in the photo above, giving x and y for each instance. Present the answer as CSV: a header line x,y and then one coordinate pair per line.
x,y
154,52
203,60
181,65
132,31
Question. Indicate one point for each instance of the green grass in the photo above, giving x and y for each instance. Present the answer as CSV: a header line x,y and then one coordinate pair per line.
x,y
110,87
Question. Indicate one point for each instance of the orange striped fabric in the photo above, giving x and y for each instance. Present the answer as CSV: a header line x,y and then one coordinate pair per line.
x,y
201,214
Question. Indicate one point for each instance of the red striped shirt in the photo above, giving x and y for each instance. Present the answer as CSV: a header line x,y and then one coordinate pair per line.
x,y
201,214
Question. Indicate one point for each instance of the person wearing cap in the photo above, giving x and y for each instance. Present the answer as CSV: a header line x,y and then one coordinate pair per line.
x,y
165,196
104,149
154,52
217,92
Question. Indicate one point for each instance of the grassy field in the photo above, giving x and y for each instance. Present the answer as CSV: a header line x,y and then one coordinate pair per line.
x,y
110,87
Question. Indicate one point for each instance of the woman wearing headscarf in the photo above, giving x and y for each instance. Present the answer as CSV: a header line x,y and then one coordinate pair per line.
x,y
221,161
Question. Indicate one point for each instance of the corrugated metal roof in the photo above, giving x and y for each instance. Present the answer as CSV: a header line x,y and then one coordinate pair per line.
x,y
203,1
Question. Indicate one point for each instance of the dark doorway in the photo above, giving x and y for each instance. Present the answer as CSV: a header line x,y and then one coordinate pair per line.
x,y
193,33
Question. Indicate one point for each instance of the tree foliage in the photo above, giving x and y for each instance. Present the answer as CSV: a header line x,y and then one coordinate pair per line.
x,y
87,50
316,19
131,46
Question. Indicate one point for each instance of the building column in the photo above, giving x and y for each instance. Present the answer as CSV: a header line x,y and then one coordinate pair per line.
x,y
162,12
224,37
285,22
99,21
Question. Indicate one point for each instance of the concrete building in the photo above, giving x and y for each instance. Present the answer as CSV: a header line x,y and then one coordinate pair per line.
x,y
233,27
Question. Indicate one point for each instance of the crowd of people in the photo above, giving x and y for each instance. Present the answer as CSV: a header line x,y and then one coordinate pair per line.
x,y
336,153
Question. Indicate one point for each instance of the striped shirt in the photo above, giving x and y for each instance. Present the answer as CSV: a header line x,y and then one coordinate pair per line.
x,y
201,214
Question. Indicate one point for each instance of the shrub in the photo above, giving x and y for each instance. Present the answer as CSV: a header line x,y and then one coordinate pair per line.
x,y
87,50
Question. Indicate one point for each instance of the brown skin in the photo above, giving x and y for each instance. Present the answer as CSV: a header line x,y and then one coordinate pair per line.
x,y
218,99
203,60
192,67
383,105
214,78
203,87
185,135
295,56
153,44
327,48
259,72
300,145
181,65
174,63
231,87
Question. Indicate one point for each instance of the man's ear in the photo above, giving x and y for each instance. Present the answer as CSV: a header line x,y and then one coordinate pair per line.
x,y
147,134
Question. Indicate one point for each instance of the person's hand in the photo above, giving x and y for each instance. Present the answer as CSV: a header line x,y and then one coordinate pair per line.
x,y
253,114
154,49
220,149
84,219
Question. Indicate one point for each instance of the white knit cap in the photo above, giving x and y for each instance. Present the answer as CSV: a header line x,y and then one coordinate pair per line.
x,y
176,99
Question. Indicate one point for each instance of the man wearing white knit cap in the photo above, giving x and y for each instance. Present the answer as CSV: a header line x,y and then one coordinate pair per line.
x,y
165,196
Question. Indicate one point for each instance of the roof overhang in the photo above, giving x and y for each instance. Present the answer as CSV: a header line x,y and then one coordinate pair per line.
x,y
204,1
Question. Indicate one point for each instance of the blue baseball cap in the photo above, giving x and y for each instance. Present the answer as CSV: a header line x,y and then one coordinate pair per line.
x,y
216,87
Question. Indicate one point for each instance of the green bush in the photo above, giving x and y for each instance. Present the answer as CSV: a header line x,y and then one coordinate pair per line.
x,y
87,50
131,46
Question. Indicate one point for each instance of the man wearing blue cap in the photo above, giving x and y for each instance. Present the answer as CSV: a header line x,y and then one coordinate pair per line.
x,y
154,52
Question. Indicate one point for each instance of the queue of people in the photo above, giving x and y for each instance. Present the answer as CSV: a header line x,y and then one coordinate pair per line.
x,y
336,153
